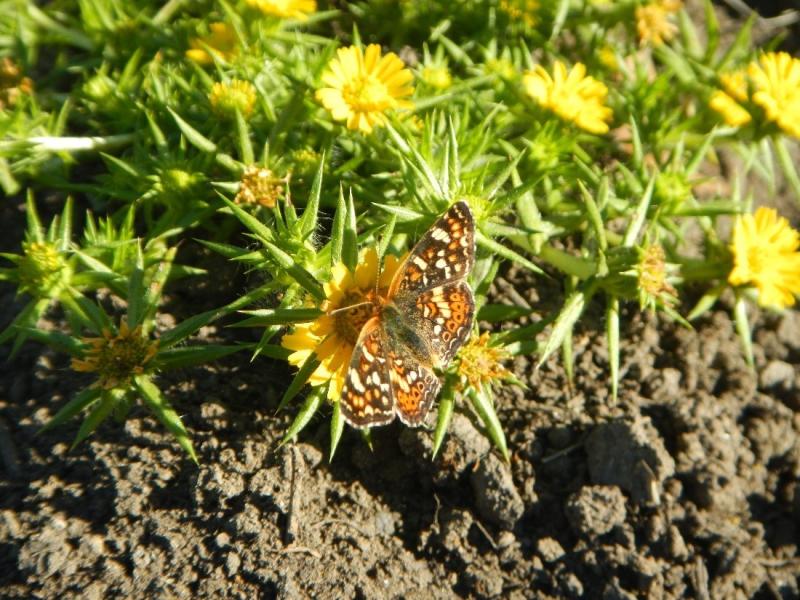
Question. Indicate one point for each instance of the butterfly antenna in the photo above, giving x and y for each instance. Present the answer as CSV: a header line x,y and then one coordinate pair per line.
x,y
351,306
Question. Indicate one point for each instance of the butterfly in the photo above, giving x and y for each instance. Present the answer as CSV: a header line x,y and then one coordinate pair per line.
x,y
425,317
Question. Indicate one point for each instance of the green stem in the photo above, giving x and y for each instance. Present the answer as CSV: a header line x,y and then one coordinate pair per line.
x,y
787,166
569,264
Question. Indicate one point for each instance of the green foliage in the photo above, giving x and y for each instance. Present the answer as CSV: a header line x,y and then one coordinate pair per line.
x,y
170,122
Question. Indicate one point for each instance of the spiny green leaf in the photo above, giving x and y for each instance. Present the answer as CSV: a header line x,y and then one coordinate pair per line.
x,y
197,139
309,409
164,412
300,379
337,427
484,406
97,415
505,252
180,358
72,408
563,325
443,418
308,223
277,316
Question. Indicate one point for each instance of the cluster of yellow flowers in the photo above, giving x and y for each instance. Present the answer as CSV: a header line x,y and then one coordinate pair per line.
x,y
361,87
770,84
653,21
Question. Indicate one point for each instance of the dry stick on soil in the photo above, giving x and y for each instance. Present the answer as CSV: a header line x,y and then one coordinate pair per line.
x,y
700,579
563,451
295,550
482,529
294,497
766,26
342,522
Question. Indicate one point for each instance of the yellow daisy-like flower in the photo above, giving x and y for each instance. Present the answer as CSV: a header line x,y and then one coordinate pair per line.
x,y
116,358
285,9
361,87
572,95
776,83
653,24
766,255
226,98
221,42
525,10
333,335
480,363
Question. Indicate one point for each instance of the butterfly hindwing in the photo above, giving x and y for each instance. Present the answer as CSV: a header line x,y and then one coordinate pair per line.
x,y
366,398
414,387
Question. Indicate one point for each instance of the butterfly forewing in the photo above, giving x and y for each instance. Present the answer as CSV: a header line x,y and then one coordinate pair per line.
x,y
444,254
366,396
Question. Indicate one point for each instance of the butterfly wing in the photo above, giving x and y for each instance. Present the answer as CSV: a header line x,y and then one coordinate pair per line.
x,y
366,399
414,387
446,253
430,289
442,317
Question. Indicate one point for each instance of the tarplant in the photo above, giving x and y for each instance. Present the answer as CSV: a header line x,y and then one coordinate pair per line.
x,y
314,146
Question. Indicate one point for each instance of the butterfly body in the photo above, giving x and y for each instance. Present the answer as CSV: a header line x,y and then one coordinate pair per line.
x,y
419,325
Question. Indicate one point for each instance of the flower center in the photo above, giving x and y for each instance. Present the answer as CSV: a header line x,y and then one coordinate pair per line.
x,y
756,262
348,322
367,94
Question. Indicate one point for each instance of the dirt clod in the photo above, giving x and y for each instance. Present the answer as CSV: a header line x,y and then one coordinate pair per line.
x,y
595,510
631,455
496,497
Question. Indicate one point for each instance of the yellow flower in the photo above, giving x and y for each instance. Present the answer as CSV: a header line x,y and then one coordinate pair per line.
x,y
776,84
333,335
226,98
766,255
362,87
259,186
41,268
221,43
437,77
653,24
573,96
732,112
480,362
116,358
727,102
521,9
285,9
608,57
